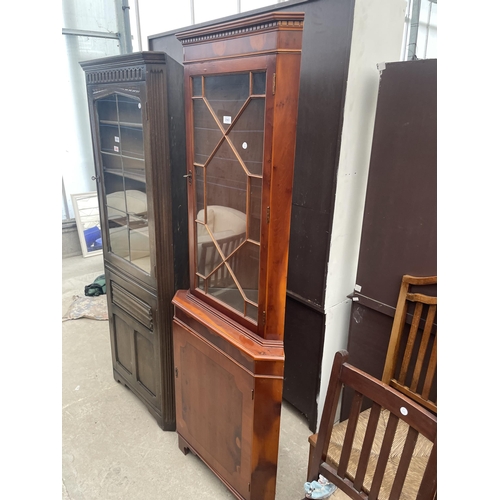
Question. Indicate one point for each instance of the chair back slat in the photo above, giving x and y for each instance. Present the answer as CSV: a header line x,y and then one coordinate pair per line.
x,y
350,434
366,449
410,342
431,313
404,464
431,370
383,457
428,486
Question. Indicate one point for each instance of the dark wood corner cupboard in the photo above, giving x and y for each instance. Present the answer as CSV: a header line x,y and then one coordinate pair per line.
x,y
138,134
241,96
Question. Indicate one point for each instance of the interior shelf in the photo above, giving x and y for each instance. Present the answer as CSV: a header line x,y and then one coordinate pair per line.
x,y
121,124
137,175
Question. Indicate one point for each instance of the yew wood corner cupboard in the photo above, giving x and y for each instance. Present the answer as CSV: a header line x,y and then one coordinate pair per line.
x,y
138,134
241,97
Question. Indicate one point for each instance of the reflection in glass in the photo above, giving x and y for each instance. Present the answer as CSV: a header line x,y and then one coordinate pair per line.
x,y
118,233
139,242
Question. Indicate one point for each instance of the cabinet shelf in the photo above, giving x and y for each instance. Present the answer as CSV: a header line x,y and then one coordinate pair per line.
x,y
124,156
121,124
136,175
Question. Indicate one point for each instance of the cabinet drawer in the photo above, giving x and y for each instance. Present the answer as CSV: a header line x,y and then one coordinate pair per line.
x,y
137,308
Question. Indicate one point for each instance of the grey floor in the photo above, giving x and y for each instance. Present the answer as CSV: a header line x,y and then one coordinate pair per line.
x,y
112,448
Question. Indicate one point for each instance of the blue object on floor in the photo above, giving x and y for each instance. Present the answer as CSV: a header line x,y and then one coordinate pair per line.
x,y
318,490
92,234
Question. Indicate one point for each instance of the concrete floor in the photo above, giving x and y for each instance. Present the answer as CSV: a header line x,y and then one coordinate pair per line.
x,y
112,448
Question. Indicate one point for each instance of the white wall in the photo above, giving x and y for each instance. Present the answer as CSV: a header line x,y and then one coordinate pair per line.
x,y
377,35
159,17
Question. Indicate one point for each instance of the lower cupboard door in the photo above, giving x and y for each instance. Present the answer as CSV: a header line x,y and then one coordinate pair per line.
x,y
135,355
214,408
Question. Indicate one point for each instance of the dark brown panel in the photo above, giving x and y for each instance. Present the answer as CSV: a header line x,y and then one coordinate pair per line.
x,y
400,221
304,336
307,250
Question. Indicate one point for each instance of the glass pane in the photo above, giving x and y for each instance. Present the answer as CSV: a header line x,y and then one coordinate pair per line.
x,y
245,265
201,283
118,233
199,189
109,138
222,286
247,136
122,148
226,95
134,165
129,110
206,132
112,162
107,109
139,243
227,263
208,255
132,141
259,84
115,200
252,312
255,208
137,201
197,86
226,180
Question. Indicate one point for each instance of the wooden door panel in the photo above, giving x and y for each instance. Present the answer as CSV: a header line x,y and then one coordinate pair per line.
x,y
136,358
224,391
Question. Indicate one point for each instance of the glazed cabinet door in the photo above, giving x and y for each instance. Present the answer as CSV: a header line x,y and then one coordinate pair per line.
x,y
124,180
226,192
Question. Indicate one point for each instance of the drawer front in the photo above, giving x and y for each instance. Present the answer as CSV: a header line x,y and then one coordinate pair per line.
x,y
137,308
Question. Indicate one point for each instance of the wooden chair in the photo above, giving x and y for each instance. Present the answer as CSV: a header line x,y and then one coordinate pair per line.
x,y
211,260
412,371
387,452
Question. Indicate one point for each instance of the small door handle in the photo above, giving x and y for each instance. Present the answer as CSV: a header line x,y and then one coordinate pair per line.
x,y
189,176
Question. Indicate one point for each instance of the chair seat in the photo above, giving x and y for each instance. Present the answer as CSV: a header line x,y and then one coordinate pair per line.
x,y
416,470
